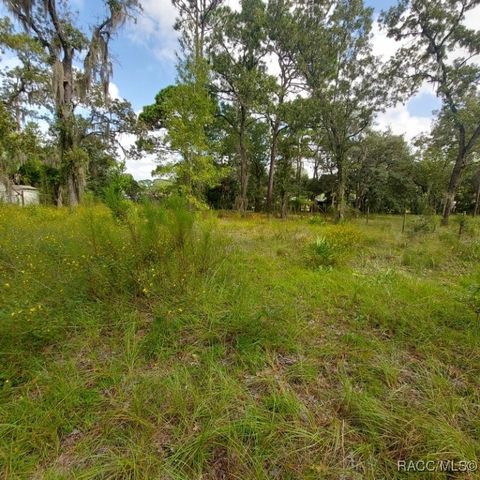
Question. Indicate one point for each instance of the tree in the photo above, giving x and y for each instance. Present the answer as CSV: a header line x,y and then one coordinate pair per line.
x,y
342,76
440,50
289,175
186,110
476,208
382,173
98,135
26,82
258,147
49,24
239,76
9,143
194,21
282,32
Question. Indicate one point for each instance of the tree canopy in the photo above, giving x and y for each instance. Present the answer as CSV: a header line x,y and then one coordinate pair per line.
x,y
273,109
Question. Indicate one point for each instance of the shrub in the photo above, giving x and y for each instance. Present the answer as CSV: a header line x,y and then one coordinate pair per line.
x,y
466,225
317,220
334,245
324,252
425,224
344,236
474,299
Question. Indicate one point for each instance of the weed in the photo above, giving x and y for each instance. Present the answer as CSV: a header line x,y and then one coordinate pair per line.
x,y
324,252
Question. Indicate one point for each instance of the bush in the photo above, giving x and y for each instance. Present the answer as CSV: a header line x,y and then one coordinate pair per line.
x,y
425,224
474,299
334,245
466,225
324,252
317,220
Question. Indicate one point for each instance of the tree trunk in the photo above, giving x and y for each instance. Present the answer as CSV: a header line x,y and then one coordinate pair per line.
x,y
73,199
453,185
273,157
242,200
340,194
284,208
59,198
258,200
315,167
67,139
359,197
477,200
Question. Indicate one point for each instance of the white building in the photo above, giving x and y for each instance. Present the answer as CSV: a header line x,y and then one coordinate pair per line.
x,y
19,194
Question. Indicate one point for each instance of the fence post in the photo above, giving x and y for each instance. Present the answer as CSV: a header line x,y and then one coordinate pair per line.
x,y
462,224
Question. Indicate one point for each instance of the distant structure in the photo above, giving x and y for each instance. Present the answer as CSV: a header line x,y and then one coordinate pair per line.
x,y
19,194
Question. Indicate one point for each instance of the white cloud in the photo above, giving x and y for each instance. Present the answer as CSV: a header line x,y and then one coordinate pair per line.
x,y
472,18
9,61
399,120
154,28
141,169
233,4
383,46
114,91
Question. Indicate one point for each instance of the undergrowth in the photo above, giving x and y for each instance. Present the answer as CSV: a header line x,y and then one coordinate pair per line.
x,y
153,342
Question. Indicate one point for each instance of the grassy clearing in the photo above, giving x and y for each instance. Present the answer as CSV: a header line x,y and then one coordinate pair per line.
x,y
162,345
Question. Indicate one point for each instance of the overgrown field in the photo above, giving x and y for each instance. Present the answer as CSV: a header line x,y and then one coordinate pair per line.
x,y
156,344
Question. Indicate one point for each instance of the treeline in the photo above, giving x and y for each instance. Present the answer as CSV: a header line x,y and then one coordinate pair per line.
x,y
273,109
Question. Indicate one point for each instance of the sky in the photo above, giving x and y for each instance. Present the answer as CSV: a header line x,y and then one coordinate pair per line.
x,y
144,62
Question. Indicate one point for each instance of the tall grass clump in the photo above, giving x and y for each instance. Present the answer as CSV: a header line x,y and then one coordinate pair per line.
x,y
427,223
334,245
324,252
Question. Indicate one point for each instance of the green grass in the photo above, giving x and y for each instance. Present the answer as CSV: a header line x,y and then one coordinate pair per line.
x,y
159,344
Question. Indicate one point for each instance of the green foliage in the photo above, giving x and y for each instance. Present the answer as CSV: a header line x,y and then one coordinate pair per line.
x,y
115,200
440,49
342,76
324,252
154,116
425,224
382,173
333,246
51,77
317,220
186,112
474,299
466,225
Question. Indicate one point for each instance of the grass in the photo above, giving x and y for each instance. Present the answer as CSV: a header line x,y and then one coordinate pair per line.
x,y
159,344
